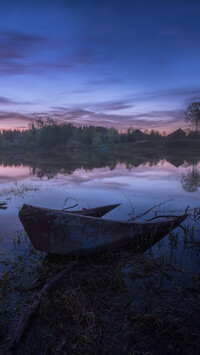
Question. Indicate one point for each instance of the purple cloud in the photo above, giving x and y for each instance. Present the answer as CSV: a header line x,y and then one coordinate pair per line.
x,y
178,93
5,101
13,116
16,45
151,119
157,119
23,53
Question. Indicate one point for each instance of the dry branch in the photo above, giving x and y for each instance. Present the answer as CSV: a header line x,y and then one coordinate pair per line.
x,y
162,216
33,307
150,209
67,208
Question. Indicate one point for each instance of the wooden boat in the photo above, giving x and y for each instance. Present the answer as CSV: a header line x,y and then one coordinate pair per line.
x,y
61,232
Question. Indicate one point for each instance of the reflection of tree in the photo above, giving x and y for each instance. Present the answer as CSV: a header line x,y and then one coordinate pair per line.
x,y
191,180
50,165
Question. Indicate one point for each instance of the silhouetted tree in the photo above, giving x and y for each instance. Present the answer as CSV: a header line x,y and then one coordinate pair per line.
x,y
192,114
88,134
155,136
113,135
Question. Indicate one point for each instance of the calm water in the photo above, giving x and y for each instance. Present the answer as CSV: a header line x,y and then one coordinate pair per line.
x,y
90,180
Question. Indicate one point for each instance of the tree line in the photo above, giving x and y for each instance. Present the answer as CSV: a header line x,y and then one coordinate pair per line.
x,y
48,133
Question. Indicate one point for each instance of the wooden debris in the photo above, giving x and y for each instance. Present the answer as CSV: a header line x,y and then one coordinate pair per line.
x,y
3,205
34,306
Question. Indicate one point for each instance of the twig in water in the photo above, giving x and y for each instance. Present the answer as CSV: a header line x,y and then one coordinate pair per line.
x,y
186,231
162,216
133,211
150,209
66,208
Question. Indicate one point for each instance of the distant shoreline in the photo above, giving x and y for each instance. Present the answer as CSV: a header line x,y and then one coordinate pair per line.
x,y
164,146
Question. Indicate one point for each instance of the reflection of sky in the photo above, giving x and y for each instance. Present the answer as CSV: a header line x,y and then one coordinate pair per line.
x,y
8,172
144,186
141,188
103,62
120,175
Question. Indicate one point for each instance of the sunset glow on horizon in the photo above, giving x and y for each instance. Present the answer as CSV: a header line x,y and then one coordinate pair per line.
x,y
121,64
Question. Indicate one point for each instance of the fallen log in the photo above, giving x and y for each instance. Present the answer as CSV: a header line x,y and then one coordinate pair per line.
x,y
30,310
3,205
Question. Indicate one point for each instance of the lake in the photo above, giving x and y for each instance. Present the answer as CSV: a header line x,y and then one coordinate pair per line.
x,y
89,179
99,178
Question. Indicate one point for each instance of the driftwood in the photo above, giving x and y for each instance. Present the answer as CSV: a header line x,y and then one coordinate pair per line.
x,y
3,205
33,307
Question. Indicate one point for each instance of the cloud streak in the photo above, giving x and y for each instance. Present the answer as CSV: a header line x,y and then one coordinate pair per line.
x,y
14,116
23,53
160,119
118,113
6,101
183,94
152,119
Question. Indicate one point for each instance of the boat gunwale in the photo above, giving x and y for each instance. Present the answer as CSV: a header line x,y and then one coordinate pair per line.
x,y
84,217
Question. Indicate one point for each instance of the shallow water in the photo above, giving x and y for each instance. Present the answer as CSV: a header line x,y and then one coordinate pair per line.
x,y
138,183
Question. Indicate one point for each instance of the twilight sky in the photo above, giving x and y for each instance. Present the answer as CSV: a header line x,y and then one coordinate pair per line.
x,y
114,63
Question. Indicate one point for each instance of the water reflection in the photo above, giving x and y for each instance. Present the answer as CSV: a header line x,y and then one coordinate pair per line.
x,y
190,181
49,166
97,178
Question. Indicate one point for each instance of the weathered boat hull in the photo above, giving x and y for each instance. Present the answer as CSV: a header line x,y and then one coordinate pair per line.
x,y
64,233
96,211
